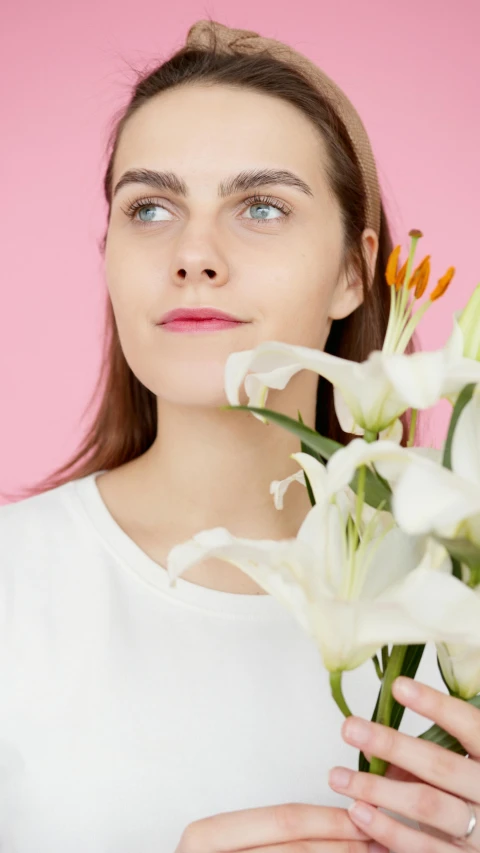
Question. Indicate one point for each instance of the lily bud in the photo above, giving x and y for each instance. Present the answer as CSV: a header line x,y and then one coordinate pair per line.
x,y
460,665
469,322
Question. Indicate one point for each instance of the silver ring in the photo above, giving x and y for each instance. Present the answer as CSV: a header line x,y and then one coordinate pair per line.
x,y
472,824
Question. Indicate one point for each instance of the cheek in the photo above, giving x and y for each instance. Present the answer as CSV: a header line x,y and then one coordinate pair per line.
x,y
297,312
134,291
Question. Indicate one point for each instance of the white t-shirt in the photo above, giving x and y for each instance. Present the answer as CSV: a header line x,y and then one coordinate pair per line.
x,y
129,709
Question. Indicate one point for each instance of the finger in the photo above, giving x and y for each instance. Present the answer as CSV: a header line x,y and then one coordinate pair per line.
x,y
323,847
416,801
394,835
429,762
457,717
400,775
396,773
268,825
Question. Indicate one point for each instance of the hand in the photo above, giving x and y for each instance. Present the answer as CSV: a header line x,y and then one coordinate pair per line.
x,y
278,829
425,782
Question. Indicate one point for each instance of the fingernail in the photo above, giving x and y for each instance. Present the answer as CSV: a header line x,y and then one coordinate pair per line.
x,y
362,814
357,731
407,688
339,777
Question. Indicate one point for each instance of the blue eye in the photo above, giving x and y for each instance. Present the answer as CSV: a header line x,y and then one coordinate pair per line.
x,y
141,206
266,201
255,201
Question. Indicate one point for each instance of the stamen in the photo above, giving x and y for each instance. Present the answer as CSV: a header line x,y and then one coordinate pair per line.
x,y
442,284
399,321
401,276
392,266
422,270
424,275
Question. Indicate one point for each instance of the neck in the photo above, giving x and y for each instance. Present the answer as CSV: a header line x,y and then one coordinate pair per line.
x,y
212,468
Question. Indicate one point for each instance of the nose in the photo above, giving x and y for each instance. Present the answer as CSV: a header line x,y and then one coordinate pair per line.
x,y
207,273
197,261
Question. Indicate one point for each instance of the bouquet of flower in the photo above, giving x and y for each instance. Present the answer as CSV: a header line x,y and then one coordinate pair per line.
x,y
388,557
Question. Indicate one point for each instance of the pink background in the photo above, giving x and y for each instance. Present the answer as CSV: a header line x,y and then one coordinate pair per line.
x,y
412,69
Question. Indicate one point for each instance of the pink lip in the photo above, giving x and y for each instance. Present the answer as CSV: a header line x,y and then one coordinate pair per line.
x,y
212,324
198,314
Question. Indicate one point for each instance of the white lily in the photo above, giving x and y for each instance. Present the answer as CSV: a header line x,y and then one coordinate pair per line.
x,y
430,499
460,665
351,596
345,497
427,498
369,396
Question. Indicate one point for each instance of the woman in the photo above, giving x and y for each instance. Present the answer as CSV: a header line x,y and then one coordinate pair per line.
x,y
137,717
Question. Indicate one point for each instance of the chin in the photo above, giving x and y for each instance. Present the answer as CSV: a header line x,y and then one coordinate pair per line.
x,y
190,384
192,390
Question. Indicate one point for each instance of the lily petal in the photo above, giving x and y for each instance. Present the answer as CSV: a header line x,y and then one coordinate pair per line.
x,y
418,377
455,345
466,443
460,665
448,608
316,473
393,557
394,432
342,465
278,488
277,566
344,413
364,386
429,498
458,374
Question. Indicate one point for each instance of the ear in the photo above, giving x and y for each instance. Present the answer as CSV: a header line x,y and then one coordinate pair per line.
x,y
348,293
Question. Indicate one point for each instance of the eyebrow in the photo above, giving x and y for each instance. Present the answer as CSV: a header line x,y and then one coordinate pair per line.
x,y
246,180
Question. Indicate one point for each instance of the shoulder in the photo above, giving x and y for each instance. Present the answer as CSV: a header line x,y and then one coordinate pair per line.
x,y
29,524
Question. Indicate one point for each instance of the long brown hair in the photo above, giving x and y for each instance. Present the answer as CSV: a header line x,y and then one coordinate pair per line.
x,y
125,423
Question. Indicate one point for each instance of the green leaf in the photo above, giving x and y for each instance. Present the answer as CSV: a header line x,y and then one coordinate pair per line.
x,y
324,446
456,568
378,668
409,668
439,736
376,492
306,449
463,398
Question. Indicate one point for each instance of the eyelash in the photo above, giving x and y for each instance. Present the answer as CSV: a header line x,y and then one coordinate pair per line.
x,y
139,204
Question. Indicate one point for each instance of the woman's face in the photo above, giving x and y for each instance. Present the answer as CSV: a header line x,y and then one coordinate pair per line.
x,y
275,264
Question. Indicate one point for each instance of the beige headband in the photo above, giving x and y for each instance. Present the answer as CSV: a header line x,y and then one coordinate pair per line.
x,y
207,34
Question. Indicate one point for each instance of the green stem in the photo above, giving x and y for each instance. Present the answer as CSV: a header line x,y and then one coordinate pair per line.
x,y
378,668
413,424
384,657
411,326
391,321
370,435
407,316
337,693
362,475
474,576
385,707
403,298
